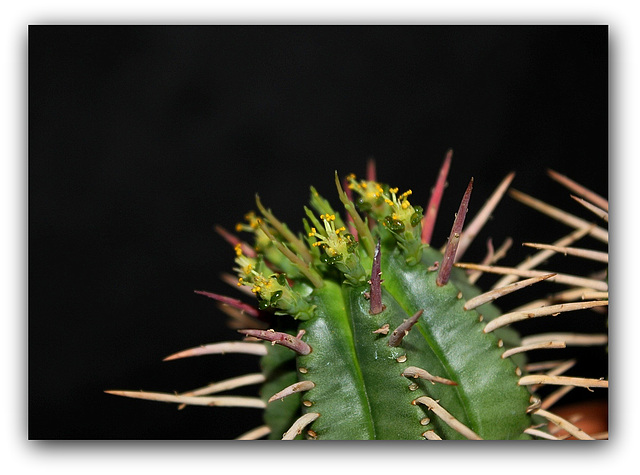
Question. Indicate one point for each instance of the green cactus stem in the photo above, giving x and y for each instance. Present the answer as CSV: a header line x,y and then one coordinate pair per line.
x,y
366,331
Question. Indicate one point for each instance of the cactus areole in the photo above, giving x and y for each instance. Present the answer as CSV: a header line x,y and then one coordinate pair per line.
x,y
363,328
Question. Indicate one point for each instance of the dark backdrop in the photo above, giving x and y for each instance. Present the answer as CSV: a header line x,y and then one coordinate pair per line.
x,y
141,139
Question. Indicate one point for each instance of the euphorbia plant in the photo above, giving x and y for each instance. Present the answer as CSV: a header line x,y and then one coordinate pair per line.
x,y
365,330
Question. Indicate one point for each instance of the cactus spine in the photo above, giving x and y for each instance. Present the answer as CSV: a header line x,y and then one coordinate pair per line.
x,y
366,331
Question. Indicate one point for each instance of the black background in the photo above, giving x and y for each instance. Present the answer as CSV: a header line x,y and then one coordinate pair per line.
x,y
141,139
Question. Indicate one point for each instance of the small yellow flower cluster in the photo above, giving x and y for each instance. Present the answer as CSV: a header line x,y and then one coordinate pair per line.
x,y
393,211
252,225
369,190
385,204
246,267
400,206
250,275
332,240
371,197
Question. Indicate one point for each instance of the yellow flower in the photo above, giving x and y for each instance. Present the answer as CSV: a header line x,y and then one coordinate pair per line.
x,y
333,240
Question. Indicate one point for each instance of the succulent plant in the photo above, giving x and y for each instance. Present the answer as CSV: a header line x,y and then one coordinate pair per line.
x,y
365,330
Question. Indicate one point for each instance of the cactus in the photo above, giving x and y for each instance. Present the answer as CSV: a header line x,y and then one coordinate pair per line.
x,y
366,331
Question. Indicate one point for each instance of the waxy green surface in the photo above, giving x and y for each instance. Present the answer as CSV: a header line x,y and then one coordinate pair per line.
x,y
360,392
